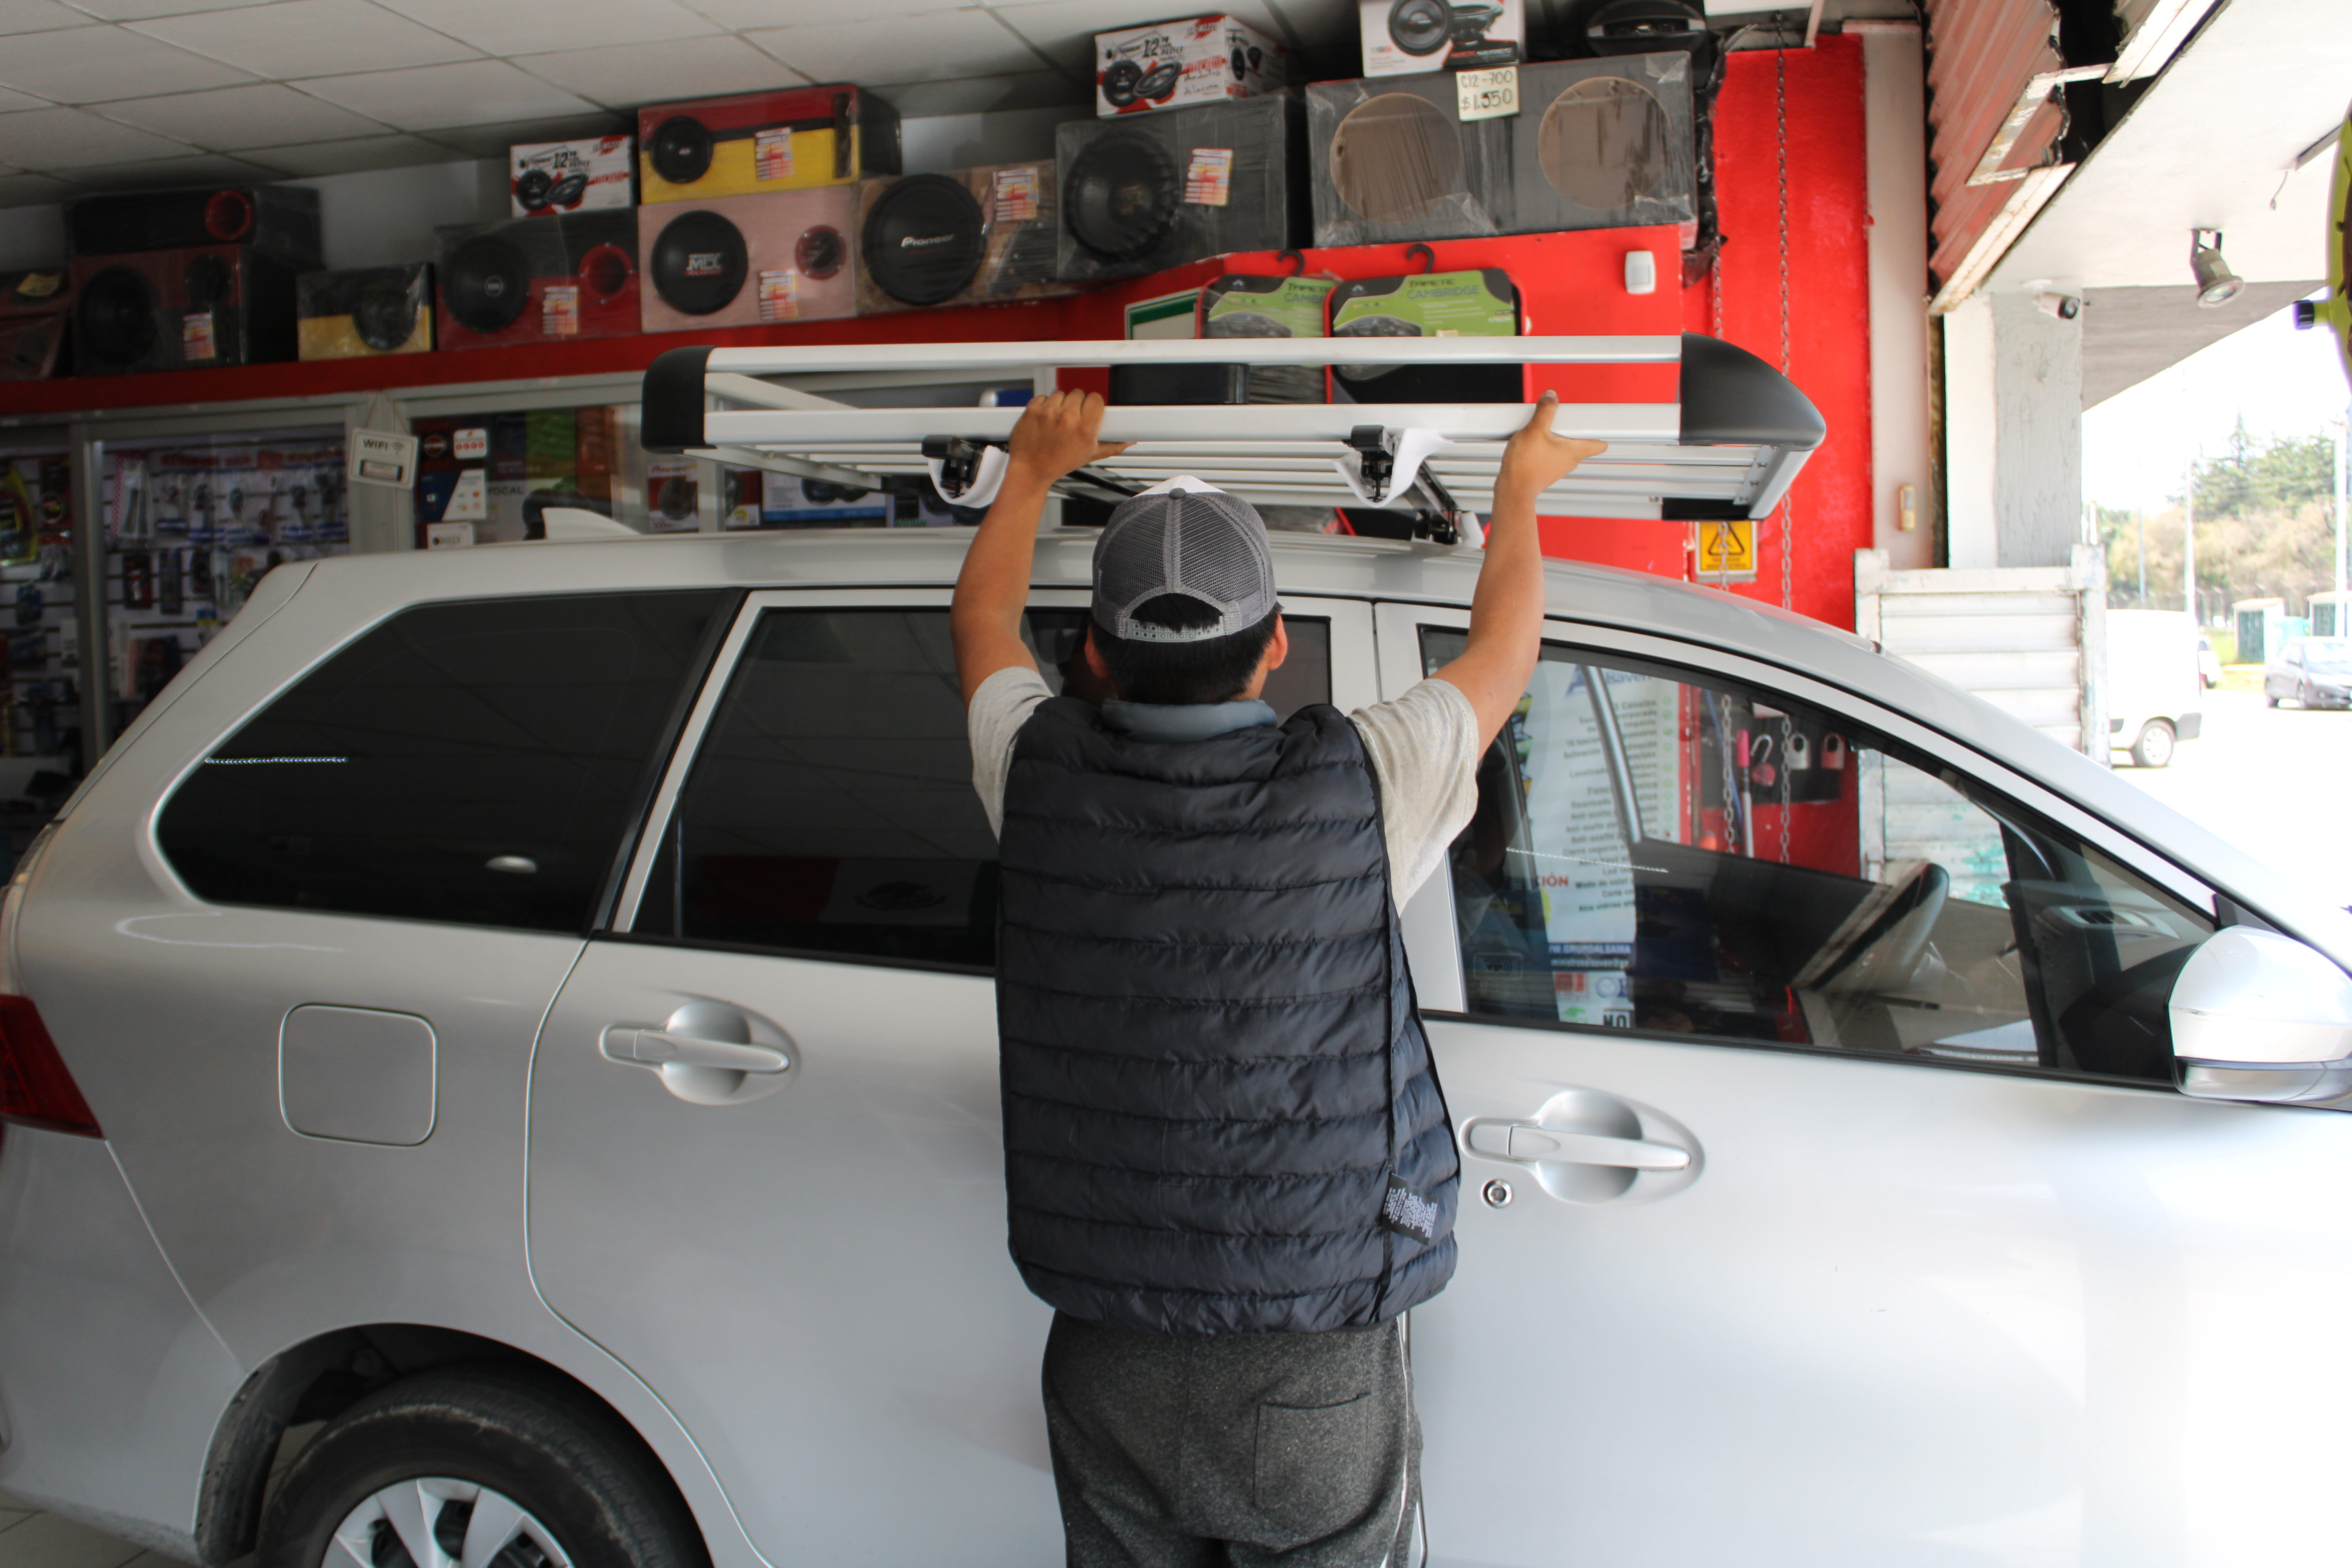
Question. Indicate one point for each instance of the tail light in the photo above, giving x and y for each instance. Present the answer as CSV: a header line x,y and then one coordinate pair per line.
x,y
35,1087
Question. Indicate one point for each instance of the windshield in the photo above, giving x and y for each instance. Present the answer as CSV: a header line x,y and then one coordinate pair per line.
x,y
2328,653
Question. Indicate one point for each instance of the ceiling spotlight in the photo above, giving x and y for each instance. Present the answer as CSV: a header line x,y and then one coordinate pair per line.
x,y
2216,284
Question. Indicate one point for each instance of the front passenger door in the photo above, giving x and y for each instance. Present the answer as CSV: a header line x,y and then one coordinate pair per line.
x,y
766,1163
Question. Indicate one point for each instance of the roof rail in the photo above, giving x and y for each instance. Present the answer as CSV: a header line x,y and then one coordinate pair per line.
x,y
1729,447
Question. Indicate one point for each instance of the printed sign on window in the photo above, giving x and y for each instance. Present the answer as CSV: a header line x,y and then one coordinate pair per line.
x,y
471,497
771,154
558,311
1208,182
449,535
1016,195
467,445
779,299
196,336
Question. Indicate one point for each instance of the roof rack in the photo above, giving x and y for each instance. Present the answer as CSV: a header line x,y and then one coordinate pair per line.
x,y
1729,447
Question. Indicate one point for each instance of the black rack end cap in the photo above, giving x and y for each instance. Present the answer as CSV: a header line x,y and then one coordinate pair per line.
x,y
671,422
1731,397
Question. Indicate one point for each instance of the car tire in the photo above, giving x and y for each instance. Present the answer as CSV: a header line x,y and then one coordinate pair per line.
x,y
2153,747
2269,700
570,1476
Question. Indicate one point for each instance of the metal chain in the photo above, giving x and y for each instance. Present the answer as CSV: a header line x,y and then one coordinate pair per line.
x,y
1715,300
1788,529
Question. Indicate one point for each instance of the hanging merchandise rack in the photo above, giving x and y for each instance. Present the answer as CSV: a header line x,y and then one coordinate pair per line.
x,y
1729,446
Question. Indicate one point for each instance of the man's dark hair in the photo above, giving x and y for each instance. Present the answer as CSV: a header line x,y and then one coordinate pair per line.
x,y
1216,669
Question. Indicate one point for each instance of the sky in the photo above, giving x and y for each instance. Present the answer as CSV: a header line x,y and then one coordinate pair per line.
x,y
2136,445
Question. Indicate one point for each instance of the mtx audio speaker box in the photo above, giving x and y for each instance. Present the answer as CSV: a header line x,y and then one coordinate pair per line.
x,y
280,222
33,309
364,311
1153,191
180,309
784,255
971,238
537,280
782,141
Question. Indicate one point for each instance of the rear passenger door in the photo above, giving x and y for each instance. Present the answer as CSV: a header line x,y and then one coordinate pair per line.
x,y
1826,1197
766,1166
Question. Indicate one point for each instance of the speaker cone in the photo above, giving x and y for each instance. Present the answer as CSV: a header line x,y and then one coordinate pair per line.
x,y
533,188
1121,196
821,253
228,215
1159,83
1421,26
383,315
605,269
115,320
681,150
566,192
1392,156
698,263
489,284
924,239
1605,143
1118,83
207,281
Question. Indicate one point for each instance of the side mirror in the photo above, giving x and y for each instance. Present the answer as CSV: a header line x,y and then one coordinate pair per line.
x,y
2257,1016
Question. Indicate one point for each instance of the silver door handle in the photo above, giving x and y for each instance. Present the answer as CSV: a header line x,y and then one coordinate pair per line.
x,y
658,1047
1531,1144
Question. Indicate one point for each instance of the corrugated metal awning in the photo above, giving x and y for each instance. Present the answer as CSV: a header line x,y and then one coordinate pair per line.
x,y
1994,119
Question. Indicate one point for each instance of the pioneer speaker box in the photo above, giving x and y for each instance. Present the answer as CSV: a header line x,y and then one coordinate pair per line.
x,y
787,139
975,236
181,310
33,309
279,222
364,311
537,280
1158,190
1171,65
783,256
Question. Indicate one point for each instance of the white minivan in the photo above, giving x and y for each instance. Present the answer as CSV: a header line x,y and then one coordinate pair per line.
x,y
2155,687
512,1029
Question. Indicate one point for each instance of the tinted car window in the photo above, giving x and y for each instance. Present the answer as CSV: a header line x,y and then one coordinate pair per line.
x,y
1663,851
830,808
475,762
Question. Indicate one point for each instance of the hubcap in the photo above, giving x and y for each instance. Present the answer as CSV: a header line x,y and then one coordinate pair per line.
x,y
435,1521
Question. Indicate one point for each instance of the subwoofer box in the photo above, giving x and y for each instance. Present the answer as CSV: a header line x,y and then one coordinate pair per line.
x,y
33,309
975,236
364,311
786,140
1152,191
181,310
280,222
1597,143
537,280
783,256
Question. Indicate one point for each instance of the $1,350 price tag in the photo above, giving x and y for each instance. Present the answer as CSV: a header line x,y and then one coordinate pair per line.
x,y
1488,94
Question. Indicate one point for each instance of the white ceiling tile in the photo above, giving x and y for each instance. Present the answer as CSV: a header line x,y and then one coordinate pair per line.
x,y
744,15
316,158
143,10
627,75
309,38
266,114
91,65
33,190
49,139
164,173
429,97
523,26
38,16
979,95
11,102
492,141
879,50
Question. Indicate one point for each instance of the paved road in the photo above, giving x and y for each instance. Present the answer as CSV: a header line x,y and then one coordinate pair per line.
x,y
2275,780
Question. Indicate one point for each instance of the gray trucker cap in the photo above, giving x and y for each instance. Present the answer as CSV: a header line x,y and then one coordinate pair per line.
x,y
1182,537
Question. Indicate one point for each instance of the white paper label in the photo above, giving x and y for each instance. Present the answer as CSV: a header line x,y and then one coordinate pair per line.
x,y
380,458
558,314
771,154
197,340
1487,95
449,535
1016,195
470,498
779,299
469,444
1208,182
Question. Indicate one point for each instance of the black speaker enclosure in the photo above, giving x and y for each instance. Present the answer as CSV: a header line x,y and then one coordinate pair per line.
x,y
187,308
989,232
1130,187
361,312
278,222
529,280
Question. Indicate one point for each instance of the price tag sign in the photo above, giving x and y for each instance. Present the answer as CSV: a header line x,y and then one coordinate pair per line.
x,y
1487,95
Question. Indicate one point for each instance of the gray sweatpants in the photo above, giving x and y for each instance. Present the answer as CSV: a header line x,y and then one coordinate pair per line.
x,y
1241,1451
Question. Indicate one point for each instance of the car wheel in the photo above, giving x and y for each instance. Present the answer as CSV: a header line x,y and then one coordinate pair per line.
x,y
2301,695
2269,699
2154,747
476,1468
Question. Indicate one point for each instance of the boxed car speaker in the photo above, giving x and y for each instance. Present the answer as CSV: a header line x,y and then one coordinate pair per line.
x,y
1597,143
591,174
33,309
180,309
537,280
1172,65
1476,304
279,222
782,141
1405,38
783,256
363,312
1241,305
1158,190
975,236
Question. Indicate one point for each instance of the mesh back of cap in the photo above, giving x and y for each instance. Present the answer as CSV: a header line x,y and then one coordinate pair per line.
x,y
1205,544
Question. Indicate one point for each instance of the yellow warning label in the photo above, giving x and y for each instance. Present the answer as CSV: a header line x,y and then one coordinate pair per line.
x,y
1727,548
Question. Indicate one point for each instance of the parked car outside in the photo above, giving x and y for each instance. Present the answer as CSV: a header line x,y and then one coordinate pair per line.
x,y
2154,683
2315,672
2209,664
529,1010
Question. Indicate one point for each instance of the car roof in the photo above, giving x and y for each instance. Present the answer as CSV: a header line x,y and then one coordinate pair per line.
x,y
1349,567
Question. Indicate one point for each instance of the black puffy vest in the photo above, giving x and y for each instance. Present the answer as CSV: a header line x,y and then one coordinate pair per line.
x,y
1220,1115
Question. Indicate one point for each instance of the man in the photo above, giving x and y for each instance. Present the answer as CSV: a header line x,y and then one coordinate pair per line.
x,y
1227,1157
